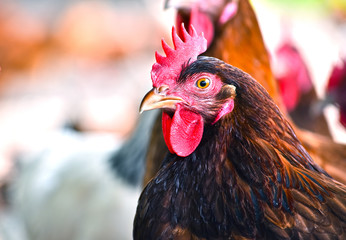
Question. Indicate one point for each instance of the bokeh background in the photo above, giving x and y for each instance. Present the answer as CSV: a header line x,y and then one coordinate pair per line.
x,y
85,65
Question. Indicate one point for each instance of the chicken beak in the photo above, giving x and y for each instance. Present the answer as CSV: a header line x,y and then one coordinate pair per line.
x,y
153,100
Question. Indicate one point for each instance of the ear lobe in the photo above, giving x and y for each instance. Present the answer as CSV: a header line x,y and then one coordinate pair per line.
x,y
227,107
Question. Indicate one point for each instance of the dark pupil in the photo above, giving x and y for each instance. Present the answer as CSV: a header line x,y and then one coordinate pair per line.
x,y
203,83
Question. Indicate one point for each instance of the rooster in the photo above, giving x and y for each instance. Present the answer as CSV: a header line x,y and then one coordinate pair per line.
x,y
234,36
296,88
235,168
336,90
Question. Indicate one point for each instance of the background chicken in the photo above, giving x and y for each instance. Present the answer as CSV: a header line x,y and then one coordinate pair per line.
x,y
79,189
235,169
297,89
336,89
235,37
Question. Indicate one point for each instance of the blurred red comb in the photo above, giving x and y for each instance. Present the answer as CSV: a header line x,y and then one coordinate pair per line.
x,y
167,69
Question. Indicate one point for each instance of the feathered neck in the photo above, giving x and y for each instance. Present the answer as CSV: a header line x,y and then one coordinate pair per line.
x,y
206,189
216,192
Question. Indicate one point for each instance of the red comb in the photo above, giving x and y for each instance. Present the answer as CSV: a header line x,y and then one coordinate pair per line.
x,y
167,69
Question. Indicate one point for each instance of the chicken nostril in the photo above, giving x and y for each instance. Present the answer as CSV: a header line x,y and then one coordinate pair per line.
x,y
162,89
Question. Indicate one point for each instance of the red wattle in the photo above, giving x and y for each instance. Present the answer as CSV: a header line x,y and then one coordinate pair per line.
x,y
183,132
166,129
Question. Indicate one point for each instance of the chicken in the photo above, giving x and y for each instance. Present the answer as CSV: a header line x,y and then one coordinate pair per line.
x,y
336,90
78,189
234,36
296,88
235,168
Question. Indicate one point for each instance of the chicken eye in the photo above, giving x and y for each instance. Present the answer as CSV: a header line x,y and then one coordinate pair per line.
x,y
203,83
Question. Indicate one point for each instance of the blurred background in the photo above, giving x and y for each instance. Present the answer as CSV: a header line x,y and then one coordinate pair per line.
x,y
84,66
